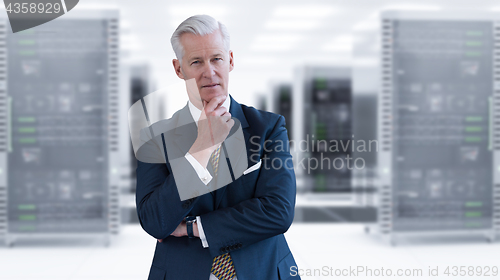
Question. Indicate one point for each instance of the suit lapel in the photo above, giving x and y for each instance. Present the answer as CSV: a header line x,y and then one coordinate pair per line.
x,y
237,113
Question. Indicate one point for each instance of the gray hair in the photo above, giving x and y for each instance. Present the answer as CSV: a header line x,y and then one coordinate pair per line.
x,y
199,25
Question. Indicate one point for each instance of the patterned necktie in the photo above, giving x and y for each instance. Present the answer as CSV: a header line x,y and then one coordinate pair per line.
x,y
222,267
214,158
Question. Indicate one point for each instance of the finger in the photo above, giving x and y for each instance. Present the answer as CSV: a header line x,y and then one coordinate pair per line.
x,y
219,111
226,114
160,240
220,99
220,104
214,103
224,109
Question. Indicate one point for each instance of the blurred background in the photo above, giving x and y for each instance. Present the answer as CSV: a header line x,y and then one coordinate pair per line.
x,y
392,109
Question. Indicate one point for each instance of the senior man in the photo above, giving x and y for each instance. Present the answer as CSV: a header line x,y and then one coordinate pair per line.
x,y
217,210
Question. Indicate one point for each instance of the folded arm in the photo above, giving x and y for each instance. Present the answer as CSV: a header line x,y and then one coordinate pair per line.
x,y
269,213
159,206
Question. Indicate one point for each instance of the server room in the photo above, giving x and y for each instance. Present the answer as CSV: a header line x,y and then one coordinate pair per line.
x,y
250,140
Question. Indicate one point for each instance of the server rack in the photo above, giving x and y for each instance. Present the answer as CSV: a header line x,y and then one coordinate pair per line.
x,y
365,73
282,104
261,101
439,128
322,115
140,86
364,130
4,103
60,152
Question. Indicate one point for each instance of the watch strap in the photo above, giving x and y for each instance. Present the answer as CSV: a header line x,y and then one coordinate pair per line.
x,y
190,220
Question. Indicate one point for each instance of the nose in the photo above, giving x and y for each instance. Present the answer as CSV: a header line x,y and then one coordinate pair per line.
x,y
209,70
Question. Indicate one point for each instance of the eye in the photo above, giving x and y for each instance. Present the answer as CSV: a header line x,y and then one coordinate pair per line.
x,y
195,62
217,58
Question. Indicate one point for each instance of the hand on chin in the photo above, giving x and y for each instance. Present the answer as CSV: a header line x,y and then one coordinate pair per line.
x,y
209,95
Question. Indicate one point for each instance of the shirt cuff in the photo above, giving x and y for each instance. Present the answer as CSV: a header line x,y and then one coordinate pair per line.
x,y
203,238
202,172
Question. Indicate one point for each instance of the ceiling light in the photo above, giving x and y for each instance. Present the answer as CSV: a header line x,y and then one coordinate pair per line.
x,y
291,24
270,47
332,47
342,43
367,25
277,38
191,10
373,20
274,42
345,39
257,60
412,7
309,11
180,13
92,6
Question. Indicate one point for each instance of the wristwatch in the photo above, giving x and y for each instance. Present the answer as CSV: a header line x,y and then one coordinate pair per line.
x,y
190,220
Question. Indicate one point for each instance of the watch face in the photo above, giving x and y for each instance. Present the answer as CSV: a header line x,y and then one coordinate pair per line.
x,y
190,219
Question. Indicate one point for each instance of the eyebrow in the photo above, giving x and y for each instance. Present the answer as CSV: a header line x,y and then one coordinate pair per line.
x,y
198,58
194,58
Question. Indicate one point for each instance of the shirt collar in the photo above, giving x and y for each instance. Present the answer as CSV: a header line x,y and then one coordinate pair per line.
x,y
196,113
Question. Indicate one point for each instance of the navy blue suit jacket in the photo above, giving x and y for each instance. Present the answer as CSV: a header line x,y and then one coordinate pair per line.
x,y
246,218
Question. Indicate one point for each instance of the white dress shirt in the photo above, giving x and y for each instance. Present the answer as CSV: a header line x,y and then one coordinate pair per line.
x,y
202,172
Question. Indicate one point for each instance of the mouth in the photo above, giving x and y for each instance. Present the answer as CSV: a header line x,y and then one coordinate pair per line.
x,y
210,85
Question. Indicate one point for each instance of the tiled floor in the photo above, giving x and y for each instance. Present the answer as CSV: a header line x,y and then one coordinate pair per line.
x,y
341,247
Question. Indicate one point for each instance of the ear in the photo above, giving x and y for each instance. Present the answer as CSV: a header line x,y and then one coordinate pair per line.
x,y
231,61
177,68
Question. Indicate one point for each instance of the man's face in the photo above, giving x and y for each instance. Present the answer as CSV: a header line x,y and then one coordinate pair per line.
x,y
207,62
